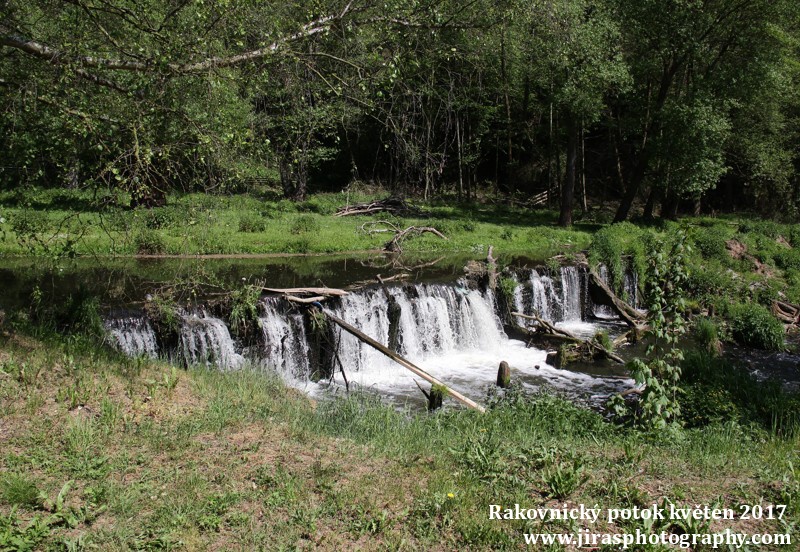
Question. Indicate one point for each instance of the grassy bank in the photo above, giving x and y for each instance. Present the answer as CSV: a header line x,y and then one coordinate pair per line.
x,y
100,451
58,221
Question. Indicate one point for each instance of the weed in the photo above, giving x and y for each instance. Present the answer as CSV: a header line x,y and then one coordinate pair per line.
x,y
754,325
18,490
563,478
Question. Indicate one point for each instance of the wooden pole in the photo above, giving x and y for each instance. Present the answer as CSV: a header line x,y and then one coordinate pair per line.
x,y
403,362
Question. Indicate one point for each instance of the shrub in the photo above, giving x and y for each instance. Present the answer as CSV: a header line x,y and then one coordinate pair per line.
x,y
305,224
753,325
788,259
711,242
252,223
162,217
149,242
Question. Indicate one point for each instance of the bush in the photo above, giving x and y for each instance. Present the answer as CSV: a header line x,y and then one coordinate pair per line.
x,y
711,242
252,223
149,242
753,325
788,259
305,224
162,217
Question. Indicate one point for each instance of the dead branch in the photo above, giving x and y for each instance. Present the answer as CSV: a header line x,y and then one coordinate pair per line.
x,y
393,205
393,245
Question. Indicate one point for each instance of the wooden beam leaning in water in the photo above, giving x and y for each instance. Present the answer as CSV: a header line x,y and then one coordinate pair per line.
x,y
630,315
403,362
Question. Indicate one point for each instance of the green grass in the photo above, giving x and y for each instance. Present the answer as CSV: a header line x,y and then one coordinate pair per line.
x,y
69,222
153,459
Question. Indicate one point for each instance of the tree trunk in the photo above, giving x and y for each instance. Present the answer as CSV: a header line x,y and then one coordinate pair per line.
x,y
568,190
651,203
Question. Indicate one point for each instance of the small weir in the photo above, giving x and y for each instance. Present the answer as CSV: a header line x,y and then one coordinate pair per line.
x,y
453,332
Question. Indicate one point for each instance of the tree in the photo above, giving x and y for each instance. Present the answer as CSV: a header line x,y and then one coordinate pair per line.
x,y
686,59
578,65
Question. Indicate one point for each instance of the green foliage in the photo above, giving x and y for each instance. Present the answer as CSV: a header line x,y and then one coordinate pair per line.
x,y
707,335
602,339
243,318
715,390
149,242
753,325
252,223
660,373
507,287
710,242
18,490
305,224
619,247
563,479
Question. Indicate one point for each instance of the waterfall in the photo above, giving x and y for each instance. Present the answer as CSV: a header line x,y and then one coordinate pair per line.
x,y
285,347
603,311
206,340
451,331
571,292
545,301
133,335
434,319
519,301
631,286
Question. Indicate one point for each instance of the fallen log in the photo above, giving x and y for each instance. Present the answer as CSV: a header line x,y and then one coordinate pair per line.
x,y
305,300
571,341
602,294
402,361
325,291
548,327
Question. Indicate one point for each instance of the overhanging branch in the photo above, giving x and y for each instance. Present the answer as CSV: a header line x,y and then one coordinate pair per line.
x,y
53,55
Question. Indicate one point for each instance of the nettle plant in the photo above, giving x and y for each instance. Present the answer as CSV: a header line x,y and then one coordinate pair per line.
x,y
660,371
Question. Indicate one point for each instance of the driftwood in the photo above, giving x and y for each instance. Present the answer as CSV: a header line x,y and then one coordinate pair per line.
x,y
393,245
402,361
305,300
576,347
393,205
602,294
324,291
786,312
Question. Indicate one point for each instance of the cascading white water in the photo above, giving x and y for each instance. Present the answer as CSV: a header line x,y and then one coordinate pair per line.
x,y
603,311
631,286
434,319
285,347
519,301
571,291
206,340
133,335
545,301
450,331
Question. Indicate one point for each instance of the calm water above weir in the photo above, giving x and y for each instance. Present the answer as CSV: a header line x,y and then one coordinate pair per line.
x,y
452,331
